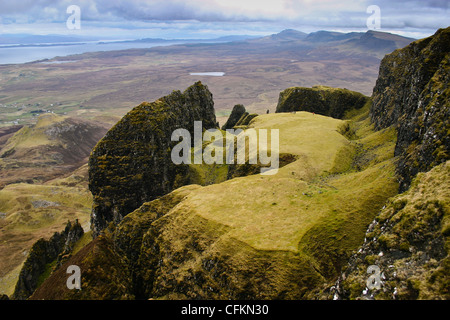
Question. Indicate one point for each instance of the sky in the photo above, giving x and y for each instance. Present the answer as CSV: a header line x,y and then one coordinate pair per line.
x,y
171,19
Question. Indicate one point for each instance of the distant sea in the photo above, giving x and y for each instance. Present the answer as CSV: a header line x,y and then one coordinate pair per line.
x,y
24,54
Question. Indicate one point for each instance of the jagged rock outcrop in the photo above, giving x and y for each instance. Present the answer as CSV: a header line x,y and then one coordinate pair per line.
x,y
42,254
132,163
238,117
333,102
118,251
412,94
408,242
236,114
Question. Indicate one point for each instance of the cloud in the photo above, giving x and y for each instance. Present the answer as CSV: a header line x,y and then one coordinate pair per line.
x,y
300,14
225,10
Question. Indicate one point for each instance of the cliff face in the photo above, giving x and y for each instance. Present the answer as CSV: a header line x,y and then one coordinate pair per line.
x,y
332,102
132,163
412,94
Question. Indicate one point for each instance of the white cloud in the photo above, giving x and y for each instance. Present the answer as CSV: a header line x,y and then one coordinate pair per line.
x,y
244,15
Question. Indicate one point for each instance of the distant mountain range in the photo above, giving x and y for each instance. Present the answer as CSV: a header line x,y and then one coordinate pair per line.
x,y
45,40
375,42
381,38
27,39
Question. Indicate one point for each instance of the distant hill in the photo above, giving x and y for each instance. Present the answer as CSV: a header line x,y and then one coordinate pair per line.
x,y
321,43
327,36
29,39
54,146
213,40
288,34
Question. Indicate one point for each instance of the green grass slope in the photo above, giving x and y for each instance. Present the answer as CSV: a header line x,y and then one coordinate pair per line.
x,y
259,236
51,148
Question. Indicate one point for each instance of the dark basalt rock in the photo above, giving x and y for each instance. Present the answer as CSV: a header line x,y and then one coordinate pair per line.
x,y
235,116
42,253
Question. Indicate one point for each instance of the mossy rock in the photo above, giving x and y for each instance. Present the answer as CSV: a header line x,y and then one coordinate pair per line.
x,y
412,95
132,163
409,243
333,102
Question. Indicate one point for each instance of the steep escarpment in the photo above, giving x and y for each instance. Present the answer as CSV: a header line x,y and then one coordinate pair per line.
x,y
132,163
412,94
332,102
407,244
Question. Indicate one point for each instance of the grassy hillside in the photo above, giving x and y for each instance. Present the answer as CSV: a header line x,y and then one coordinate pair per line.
x,y
43,184
309,217
409,242
49,149
277,236
29,212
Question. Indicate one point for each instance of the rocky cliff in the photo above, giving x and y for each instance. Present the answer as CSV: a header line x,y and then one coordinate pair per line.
x,y
408,241
132,164
235,116
332,102
44,255
412,94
